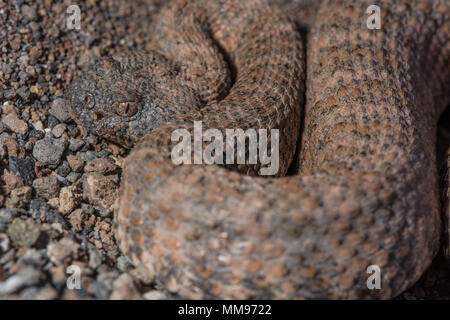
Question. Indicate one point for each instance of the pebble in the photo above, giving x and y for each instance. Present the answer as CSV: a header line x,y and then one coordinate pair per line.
x,y
154,295
8,258
58,227
33,257
59,251
100,190
47,187
19,197
143,274
95,258
91,155
38,125
4,242
64,169
100,165
47,293
59,130
34,135
28,293
102,211
36,52
75,144
38,207
52,121
124,288
24,278
69,199
29,13
73,177
10,147
54,202
24,232
124,264
9,94
59,110
23,168
6,217
14,124
104,284
12,182
76,219
75,162
49,151
54,216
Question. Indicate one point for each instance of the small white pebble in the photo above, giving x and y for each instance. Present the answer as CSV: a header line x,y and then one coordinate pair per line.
x,y
58,227
154,295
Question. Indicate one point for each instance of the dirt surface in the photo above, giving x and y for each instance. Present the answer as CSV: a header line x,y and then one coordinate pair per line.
x,y
57,188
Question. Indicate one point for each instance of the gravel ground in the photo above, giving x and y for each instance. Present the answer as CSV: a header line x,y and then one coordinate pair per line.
x,y
57,188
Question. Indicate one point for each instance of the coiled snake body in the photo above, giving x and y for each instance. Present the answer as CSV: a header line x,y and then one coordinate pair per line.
x,y
366,192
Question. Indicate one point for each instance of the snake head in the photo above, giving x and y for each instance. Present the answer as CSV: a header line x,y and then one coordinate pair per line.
x,y
120,98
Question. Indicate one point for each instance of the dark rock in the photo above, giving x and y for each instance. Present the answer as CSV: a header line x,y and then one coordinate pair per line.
x,y
6,217
23,168
59,110
24,76
37,134
33,258
64,169
104,284
9,94
49,151
92,155
38,206
73,177
54,216
52,121
24,93
75,144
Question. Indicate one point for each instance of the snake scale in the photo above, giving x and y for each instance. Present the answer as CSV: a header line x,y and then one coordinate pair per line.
x,y
360,105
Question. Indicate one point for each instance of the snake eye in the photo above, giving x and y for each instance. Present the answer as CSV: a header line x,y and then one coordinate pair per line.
x,y
88,101
126,109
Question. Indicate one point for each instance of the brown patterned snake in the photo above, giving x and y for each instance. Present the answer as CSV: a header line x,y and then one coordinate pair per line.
x,y
366,193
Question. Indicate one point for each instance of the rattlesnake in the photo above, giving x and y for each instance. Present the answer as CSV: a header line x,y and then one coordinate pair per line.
x,y
366,192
